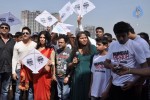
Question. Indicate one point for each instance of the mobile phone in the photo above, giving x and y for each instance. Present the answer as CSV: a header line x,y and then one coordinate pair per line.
x,y
117,68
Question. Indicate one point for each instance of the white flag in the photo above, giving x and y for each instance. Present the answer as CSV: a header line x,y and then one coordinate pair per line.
x,y
69,26
60,28
82,7
66,11
46,19
9,18
92,41
34,60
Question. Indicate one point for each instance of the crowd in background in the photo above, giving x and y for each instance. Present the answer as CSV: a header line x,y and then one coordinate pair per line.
x,y
78,68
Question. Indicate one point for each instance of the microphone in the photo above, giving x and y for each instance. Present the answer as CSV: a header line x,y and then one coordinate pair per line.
x,y
77,54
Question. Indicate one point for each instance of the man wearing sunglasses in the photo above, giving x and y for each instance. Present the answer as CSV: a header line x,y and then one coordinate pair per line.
x,y
6,51
21,49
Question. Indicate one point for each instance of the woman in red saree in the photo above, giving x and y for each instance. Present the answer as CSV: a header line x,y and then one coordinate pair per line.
x,y
42,80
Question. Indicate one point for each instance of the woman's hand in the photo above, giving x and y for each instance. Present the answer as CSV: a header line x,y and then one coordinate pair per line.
x,y
47,68
66,79
54,77
48,65
49,62
75,60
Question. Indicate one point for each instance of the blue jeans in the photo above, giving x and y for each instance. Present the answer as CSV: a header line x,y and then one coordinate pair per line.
x,y
19,93
63,89
5,79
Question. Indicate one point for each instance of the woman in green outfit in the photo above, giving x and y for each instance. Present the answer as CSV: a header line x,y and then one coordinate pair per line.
x,y
80,62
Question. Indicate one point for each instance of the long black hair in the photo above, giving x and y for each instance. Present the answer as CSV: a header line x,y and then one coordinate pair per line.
x,y
47,40
86,49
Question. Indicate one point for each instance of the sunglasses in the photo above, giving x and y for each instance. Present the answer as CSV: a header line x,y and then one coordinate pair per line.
x,y
27,33
4,28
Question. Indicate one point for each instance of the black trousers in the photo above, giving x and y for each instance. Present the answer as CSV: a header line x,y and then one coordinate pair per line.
x,y
116,93
95,98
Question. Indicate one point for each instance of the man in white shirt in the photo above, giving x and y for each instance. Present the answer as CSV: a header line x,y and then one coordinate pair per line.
x,y
21,49
145,36
146,48
144,45
128,53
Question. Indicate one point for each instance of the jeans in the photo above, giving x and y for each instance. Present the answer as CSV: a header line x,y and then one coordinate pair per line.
x,y
19,93
63,89
5,79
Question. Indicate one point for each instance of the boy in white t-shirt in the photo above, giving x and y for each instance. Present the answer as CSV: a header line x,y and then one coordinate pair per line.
x,y
100,78
125,52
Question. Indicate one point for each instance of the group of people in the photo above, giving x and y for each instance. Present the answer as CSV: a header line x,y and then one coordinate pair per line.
x,y
109,70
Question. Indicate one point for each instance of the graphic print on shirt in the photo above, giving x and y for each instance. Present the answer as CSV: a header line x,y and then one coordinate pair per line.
x,y
121,56
99,67
61,63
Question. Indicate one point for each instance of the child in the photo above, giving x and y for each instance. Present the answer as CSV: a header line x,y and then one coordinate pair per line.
x,y
101,76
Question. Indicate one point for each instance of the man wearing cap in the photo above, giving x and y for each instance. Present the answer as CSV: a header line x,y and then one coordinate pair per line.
x,y
6,49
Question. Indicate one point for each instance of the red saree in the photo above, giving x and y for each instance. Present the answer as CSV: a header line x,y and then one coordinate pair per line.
x,y
42,80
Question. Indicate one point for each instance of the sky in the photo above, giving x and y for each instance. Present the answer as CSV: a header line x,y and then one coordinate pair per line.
x,y
106,13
